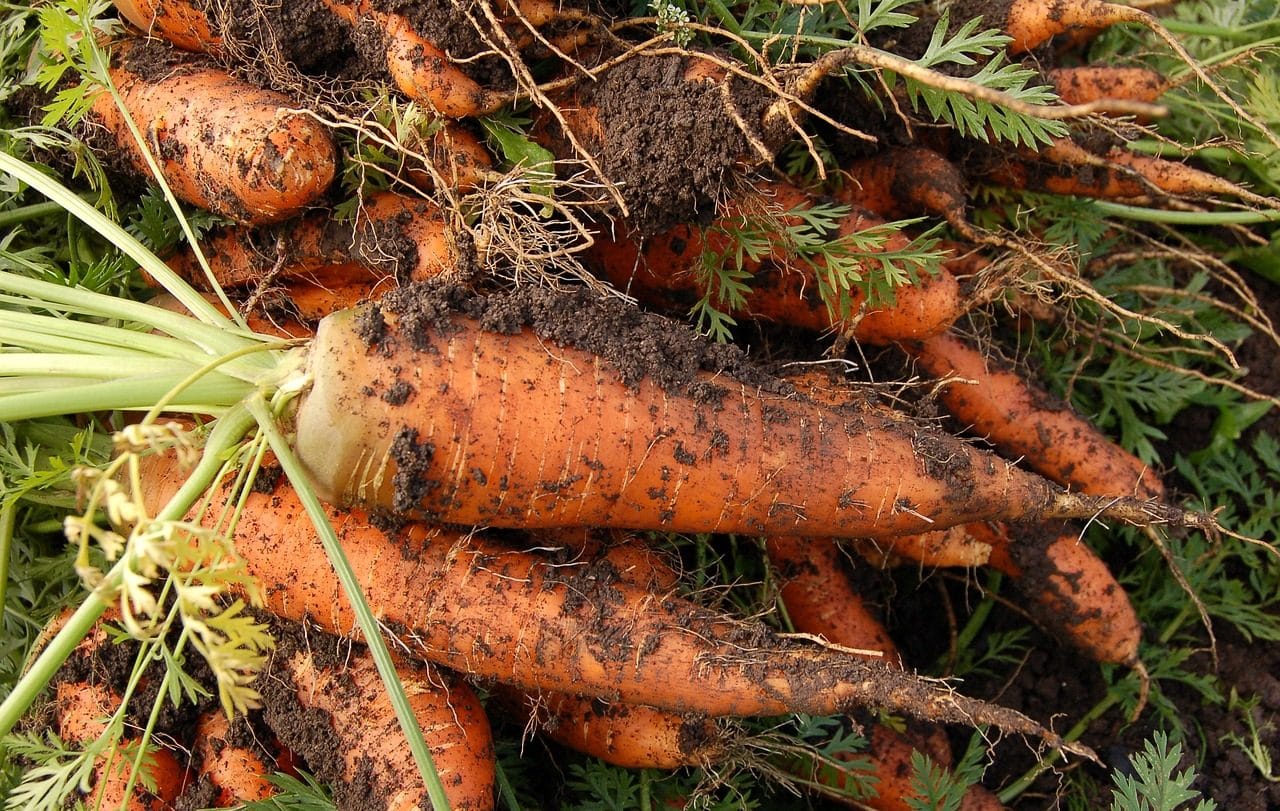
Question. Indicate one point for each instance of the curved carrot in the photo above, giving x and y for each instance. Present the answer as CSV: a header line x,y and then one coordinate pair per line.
x,y
222,144
363,753
418,67
819,598
664,271
486,610
1073,591
178,21
235,773
1027,423
907,181
410,409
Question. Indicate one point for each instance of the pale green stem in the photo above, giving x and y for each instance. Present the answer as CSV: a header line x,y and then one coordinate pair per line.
x,y
1014,789
208,396
95,367
1184,217
14,216
86,337
297,474
226,432
116,235
8,513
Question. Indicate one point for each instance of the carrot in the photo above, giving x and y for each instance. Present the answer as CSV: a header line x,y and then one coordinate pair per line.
x,y
663,272
1031,23
234,772
908,181
1086,83
178,21
400,391
362,752
222,144
488,611
627,735
456,156
1026,423
419,68
821,600
954,546
885,766
1073,592
390,235
81,708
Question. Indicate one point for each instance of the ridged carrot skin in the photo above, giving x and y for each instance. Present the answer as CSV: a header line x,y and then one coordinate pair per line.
x,y
377,770
1027,423
439,419
486,610
222,144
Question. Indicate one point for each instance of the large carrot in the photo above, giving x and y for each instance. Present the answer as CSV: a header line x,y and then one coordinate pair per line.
x,y
362,751
222,144
411,408
178,21
1027,423
486,610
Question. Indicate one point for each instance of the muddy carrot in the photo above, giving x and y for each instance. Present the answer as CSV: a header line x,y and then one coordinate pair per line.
x,y
222,144
1027,423
489,611
1086,83
393,419
235,772
907,182
362,753
179,21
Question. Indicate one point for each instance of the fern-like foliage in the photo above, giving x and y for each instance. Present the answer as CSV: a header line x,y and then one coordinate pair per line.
x,y
1155,785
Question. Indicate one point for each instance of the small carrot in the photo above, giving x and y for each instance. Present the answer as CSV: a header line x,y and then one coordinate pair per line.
x,y
1086,83
908,181
1074,593
489,611
421,69
81,708
179,21
362,753
954,546
663,270
235,773
1027,423
390,235
222,144
820,599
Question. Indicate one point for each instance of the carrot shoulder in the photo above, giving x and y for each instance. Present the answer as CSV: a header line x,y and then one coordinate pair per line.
x,y
222,144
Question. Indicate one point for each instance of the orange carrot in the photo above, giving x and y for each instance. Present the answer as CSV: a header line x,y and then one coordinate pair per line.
x,y
221,144
1074,593
235,773
394,413
663,272
178,21
627,735
422,70
820,599
362,753
1086,83
1031,23
907,181
81,708
391,235
954,546
1027,423
492,612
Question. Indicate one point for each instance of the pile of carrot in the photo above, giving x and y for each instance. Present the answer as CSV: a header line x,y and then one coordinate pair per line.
x,y
433,404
